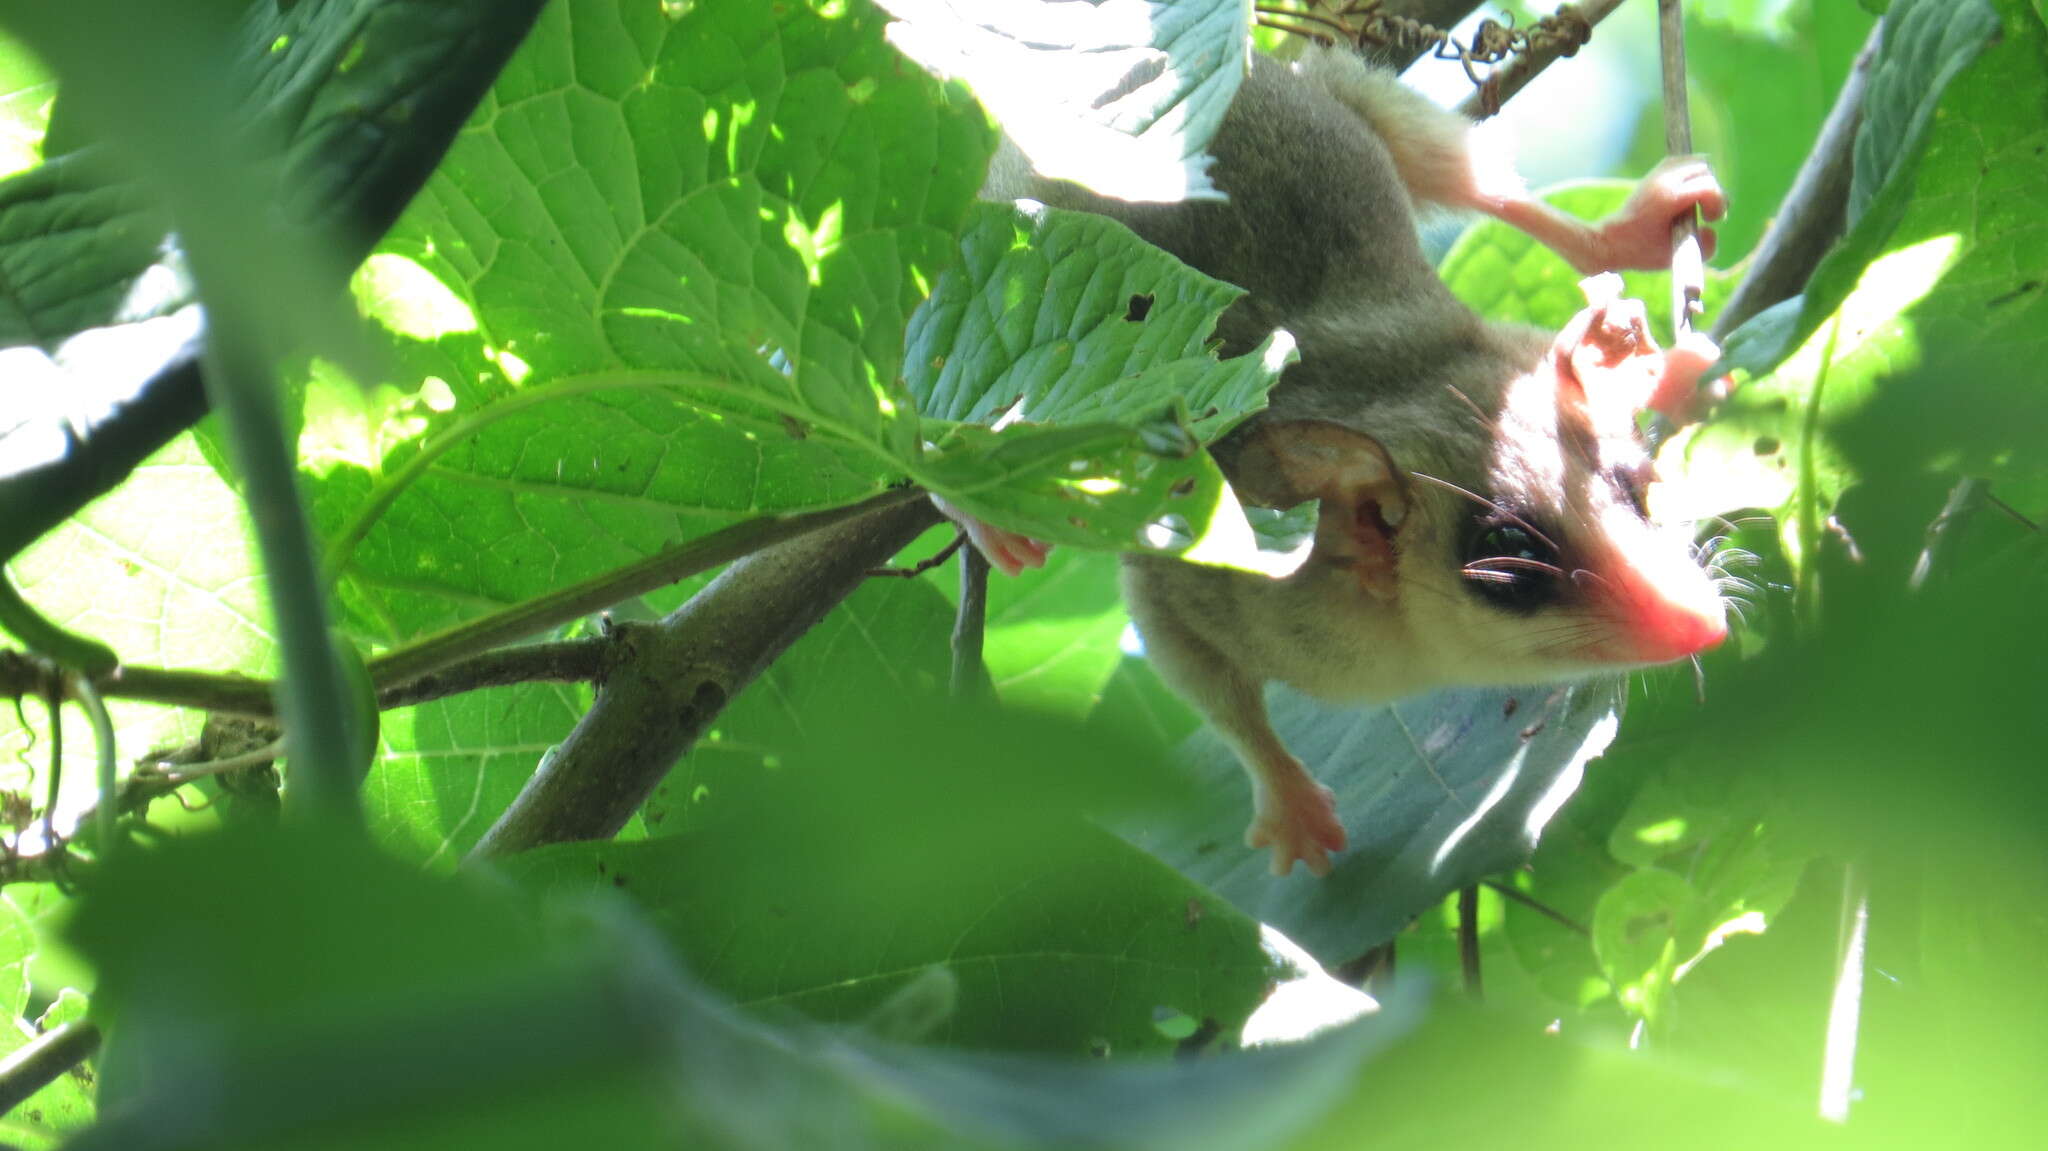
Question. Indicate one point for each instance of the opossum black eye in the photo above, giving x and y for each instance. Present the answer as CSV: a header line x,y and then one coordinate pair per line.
x,y
1512,566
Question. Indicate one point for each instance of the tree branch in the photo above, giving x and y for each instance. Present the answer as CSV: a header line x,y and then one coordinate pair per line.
x,y
1525,67
470,655
47,1056
396,668
664,684
1814,212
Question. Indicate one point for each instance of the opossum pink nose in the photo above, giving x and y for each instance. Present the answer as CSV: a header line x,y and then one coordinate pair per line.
x,y
1667,631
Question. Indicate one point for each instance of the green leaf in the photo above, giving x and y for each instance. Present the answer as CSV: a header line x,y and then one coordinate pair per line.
x,y
1436,792
241,996
1122,99
1070,951
1927,45
170,591
85,242
1636,936
659,285
838,797
1088,348
26,89
1137,704
1474,1073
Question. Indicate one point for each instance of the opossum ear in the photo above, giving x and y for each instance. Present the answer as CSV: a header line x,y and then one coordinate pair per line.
x,y
1363,494
1609,356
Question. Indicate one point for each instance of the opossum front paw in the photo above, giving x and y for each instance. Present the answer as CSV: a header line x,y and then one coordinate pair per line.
x,y
1006,551
1298,822
1639,235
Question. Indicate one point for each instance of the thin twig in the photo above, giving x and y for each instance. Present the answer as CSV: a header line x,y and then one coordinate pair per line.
x,y
53,698
565,661
1814,212
1543,909
313,697
182,773
970,625
103,746
1468,941
1964,498
1688,266
656,571
39,1063
2017,515
924,565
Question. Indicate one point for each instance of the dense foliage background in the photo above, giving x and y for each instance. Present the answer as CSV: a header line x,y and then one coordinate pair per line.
x,y
636,289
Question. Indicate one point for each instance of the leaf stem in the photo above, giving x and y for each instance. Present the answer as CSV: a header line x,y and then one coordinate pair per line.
x,y
395,668
388,489
314,699
970,625
103,744
1808,595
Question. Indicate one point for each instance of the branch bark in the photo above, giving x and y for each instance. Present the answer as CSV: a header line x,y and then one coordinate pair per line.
x,y
663,685
1815,211
47,1056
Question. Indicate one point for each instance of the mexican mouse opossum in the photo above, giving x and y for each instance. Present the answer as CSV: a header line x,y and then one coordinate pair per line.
x,y
1480,484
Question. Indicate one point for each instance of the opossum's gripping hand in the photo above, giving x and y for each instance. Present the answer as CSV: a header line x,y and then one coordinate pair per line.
x,y
1639,235
1608,352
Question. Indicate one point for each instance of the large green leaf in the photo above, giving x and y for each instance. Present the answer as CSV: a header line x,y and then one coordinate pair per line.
x,y
659,284
26,89
1078,947
1087,349
1436,792
246,996
837,802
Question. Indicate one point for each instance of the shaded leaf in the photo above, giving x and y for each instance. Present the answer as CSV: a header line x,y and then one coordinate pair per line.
x,y
1071,950
1436,792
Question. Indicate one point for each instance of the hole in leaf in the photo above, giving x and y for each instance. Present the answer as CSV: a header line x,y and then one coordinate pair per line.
x,y
1140,307
1173,1023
